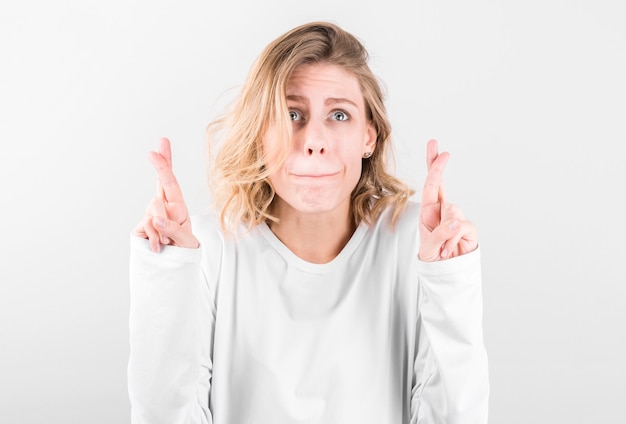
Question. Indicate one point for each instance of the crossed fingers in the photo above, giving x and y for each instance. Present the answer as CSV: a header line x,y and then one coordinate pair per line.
x,y
166,220
444,230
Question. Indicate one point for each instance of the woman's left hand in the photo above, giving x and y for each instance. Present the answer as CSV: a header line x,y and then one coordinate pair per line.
x,y
444,231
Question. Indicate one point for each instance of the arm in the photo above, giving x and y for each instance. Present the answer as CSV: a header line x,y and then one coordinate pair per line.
x,y
172,310
450,375
172,317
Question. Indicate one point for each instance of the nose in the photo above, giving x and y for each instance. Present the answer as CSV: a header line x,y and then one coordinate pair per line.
x,y
315,138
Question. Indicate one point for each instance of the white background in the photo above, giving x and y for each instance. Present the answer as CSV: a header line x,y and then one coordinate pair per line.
x,y
528,96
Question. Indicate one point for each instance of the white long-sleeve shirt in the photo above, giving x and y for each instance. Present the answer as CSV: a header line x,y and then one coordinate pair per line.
x,y
241,331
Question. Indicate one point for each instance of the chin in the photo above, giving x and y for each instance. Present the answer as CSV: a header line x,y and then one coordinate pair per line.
x,y
316,206
318,203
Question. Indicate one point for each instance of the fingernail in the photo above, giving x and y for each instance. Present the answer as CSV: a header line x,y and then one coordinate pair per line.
x,y
444,253
453,225
159,222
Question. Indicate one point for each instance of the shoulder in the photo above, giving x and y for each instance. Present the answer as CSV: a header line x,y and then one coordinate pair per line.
x,y
403,233
410,214
407,220
220,250
207,229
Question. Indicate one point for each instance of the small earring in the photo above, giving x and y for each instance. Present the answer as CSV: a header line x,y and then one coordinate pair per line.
x,y
367,155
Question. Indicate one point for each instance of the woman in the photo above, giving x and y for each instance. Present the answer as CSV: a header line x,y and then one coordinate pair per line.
x,y
318,293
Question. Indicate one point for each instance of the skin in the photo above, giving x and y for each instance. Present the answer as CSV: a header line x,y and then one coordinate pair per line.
x,y
166,220
330,136
444,231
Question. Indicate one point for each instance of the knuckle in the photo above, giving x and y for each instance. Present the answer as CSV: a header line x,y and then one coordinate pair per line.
x,y
156,201
170,182
143,223
452,209
156,207
159,222
139,231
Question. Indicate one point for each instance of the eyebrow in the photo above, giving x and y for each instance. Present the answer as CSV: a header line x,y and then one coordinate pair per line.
x,y
328,101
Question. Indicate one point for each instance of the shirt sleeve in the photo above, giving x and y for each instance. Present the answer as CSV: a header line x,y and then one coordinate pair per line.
x,y
172,316
450,372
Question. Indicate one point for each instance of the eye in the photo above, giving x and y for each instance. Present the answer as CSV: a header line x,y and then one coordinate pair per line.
x,y
295,115
340,115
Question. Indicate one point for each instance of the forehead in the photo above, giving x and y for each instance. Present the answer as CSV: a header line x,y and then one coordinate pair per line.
x,y
324,79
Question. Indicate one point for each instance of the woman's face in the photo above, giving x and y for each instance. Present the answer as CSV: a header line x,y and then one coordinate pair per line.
x,y
330,135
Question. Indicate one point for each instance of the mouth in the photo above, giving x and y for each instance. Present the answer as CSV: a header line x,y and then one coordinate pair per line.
x,y
315,175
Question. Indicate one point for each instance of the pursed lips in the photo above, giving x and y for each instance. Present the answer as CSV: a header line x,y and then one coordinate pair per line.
x,y
314,175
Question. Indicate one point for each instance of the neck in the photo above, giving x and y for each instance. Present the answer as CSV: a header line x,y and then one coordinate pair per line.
x,y
316,237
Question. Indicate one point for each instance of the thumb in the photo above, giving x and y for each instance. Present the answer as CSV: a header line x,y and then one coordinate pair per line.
x,y
430,249
179,235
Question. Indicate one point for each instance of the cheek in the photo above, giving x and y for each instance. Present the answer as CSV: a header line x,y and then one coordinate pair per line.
x,y
355,170
351,150
279,180
276,147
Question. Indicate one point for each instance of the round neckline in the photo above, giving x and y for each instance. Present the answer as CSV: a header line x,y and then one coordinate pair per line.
x,y
310,267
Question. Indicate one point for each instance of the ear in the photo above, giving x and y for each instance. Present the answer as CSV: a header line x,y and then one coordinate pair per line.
x,y
370,139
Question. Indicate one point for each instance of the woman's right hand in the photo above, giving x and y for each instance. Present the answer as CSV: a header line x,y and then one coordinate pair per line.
x,y
166,220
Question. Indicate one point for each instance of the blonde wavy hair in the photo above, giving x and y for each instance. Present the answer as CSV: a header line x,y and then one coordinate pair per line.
x,y
239,176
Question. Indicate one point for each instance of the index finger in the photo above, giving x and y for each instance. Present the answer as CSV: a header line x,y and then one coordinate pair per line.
x,y
433,185
164,150
170,190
